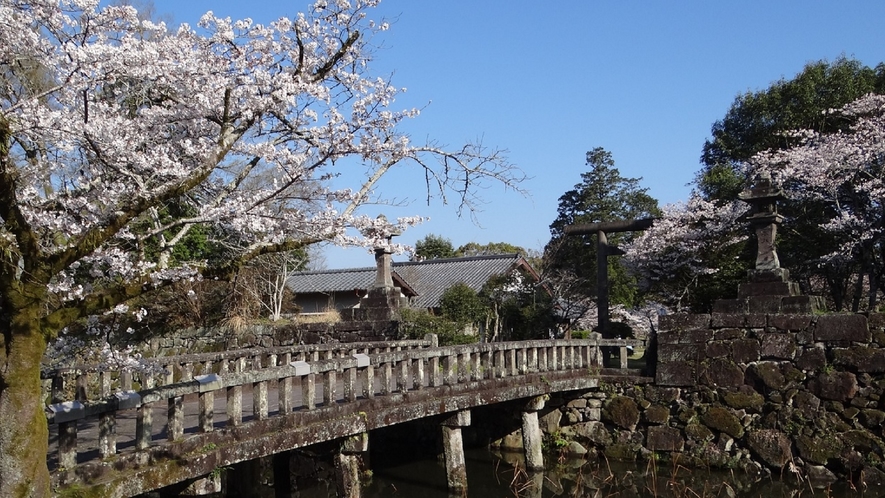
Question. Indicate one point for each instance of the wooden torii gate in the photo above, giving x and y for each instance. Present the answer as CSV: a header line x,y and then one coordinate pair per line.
x,y
603,250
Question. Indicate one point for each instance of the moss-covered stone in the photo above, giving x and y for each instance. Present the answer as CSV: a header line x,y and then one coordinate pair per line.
x,y
657,414
863,441
872,418
662,395
686,414
769,373
861,358
771,446
620,452
623,412
721,372
723,420
698,432
744,400
819,449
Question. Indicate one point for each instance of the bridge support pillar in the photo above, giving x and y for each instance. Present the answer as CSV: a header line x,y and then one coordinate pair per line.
x,y
348,464
532,437
453,447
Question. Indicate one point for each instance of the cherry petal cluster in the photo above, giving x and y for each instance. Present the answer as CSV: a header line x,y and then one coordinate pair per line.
x,y
107,121
671,254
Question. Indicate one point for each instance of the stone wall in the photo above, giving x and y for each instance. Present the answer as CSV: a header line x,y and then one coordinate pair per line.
x,y
781,393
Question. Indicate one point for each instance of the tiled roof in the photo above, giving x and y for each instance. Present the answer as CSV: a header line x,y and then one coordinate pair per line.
x,y
331,280
429,279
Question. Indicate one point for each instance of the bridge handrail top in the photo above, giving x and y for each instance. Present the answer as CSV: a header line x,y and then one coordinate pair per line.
x,y
243,352
502,346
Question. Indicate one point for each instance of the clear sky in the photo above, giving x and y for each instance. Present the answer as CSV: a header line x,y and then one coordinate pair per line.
x,y
549,81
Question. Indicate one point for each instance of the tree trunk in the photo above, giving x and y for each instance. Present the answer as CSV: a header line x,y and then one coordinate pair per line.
x,y
24,435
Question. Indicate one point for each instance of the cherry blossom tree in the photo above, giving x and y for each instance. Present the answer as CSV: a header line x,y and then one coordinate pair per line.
x,y
128,116
844,174
684,249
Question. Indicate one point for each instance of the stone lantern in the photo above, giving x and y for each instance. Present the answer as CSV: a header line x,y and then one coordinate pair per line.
x,y
763,217
768,288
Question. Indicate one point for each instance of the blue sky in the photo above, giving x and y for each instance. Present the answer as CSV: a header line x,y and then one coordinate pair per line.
x,y
549,81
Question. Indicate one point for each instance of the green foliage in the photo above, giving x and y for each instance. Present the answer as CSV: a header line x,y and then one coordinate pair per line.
x,y
462,305
475,249
517,309
603,195
415,324
434,247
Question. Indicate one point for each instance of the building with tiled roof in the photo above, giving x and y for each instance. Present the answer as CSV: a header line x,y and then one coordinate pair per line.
x,y
422,282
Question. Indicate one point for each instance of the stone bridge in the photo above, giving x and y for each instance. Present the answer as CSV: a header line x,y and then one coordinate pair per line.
x,y
120,434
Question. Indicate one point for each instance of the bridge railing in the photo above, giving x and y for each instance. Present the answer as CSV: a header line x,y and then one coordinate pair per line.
x,y
91,381
317,383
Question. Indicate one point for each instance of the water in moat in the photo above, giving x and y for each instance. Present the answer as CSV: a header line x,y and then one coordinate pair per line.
x,y
494,475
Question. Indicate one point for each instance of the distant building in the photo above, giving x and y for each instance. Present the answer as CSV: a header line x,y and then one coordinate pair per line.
x,y
422,283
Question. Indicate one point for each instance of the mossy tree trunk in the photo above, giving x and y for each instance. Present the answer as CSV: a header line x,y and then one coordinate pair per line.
x,y
24,435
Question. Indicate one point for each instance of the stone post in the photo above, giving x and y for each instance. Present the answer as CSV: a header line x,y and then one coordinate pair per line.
x,y
383,274
348,463
453,448
532,438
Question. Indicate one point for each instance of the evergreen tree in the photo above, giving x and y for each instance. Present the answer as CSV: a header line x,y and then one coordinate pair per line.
x,y
434,247
603,195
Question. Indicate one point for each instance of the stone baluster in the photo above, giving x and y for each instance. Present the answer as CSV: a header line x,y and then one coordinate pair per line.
x,y
522,361
623,356
403,375
450,369
235,395
462,367
309,391
82,386
330,384
386,374
513,369
107,437
67,430
259,392
144,419
574,355
58,387
418,367
433,366
126,380
532,360
285,387
369,381
67,437
350,383
542,359
206,400
553,359
487,369
500,364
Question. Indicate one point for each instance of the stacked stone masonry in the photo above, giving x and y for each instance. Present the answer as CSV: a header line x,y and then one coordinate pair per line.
x,y
779,393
